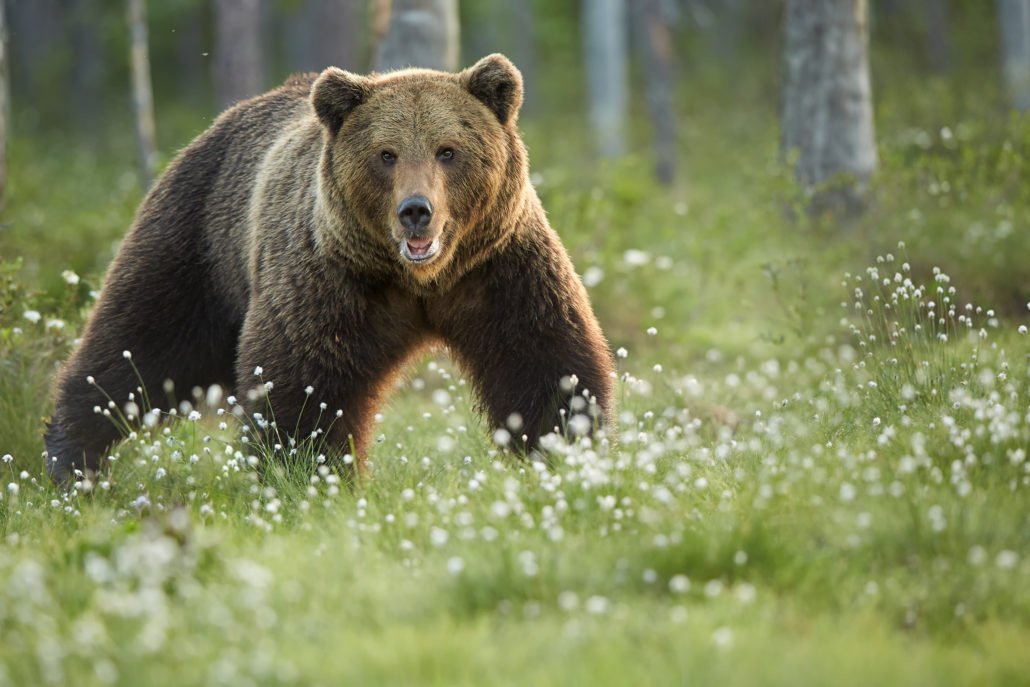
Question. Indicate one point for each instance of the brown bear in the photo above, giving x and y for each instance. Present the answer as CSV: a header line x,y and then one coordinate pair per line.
x,y
325,232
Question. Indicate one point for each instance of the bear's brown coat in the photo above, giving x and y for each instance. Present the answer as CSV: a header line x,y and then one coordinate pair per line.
x,y
274,241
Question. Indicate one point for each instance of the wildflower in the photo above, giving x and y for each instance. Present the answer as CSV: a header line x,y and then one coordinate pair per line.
x,y
567,601
977,555
70,277
592,276
1007,559
8,458
722,637
597,605
636,258
1022,329
258,371
32,316
455,565
621,352
679,584
652,331
746,593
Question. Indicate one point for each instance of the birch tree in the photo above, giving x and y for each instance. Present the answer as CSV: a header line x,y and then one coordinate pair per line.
x,y
604,54
1014,22
652,19
827,112
5,105
419,33
524,53
336,33
938,40
238,63
142,94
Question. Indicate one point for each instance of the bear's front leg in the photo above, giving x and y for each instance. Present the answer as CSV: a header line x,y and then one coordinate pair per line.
x,y
522,327
318,367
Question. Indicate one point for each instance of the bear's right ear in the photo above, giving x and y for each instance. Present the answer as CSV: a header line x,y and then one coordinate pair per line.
x,y
335,93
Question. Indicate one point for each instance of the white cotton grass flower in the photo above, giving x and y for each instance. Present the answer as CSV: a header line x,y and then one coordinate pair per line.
x,y
597,605
32,316
722,637
1007,559
679,584
70,277
636,258
593,276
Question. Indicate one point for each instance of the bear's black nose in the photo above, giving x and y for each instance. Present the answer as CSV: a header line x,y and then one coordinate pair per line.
x,y
414,212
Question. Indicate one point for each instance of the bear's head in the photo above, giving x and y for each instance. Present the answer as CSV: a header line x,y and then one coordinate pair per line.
x,y
429,163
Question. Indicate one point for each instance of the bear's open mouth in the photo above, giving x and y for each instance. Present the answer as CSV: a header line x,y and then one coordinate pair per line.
x,y
419,250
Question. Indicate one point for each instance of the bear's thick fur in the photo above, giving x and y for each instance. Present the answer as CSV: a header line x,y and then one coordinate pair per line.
x,y
325,232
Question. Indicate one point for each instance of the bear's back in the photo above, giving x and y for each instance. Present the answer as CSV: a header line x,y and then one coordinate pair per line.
x,y
201,203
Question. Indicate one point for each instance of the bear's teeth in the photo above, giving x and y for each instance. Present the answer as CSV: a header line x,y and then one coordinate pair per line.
x,y
419,246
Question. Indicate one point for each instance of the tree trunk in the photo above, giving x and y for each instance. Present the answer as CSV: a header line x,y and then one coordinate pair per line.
x,y
938,42
827,100
1014,20
238,63
524,53
654,41
192,69
142,98
604,52
334,26
36,28
5,105
85,81
421,33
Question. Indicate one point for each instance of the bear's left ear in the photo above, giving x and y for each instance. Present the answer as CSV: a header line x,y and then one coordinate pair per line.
x,y
335,93
496,82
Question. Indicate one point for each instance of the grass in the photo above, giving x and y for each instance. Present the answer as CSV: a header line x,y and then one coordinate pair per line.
x,y
810,484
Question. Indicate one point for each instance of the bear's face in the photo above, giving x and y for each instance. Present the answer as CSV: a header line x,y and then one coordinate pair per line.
x,y
419,157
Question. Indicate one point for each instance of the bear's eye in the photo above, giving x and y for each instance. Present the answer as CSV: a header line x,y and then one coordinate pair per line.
x,y
387,156
445,154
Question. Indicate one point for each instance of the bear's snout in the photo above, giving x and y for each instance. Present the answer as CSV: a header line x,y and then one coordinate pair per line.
x,y
415,213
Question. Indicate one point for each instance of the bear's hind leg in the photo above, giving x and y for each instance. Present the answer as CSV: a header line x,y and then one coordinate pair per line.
x,y
182,335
